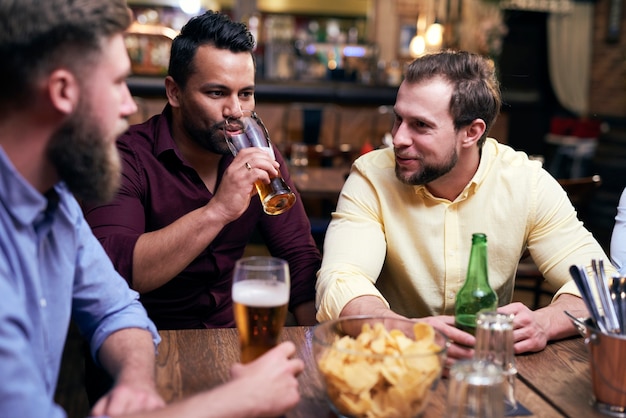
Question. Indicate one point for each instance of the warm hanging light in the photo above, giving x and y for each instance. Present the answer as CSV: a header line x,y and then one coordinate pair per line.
x,y
417,46
428,37
434,35
190,7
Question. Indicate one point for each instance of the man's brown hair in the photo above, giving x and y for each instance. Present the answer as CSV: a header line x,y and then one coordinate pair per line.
x,y
475,87
36,37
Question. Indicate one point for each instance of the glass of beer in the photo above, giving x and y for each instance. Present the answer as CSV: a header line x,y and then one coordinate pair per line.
x,y
260,297
249,131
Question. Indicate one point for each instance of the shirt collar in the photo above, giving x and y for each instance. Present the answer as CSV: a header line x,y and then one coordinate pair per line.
x,y
164,144
163,141
487,154
21,200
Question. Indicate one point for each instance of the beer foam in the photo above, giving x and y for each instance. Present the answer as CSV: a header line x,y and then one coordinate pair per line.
x,y
261,293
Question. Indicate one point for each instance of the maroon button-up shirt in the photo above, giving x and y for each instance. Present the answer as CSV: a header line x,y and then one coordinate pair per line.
x,y
158,187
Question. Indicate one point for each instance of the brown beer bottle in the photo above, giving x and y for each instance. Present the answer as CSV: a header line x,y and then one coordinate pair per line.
x,y
475,295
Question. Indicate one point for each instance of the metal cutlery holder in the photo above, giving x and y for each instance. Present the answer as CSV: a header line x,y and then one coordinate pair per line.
x,y
607,355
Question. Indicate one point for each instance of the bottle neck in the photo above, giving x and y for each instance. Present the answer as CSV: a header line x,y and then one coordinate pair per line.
x,y
477,269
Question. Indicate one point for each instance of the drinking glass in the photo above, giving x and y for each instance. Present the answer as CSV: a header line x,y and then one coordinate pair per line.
x,y
299,156
260,296
249,131
494,343
475,390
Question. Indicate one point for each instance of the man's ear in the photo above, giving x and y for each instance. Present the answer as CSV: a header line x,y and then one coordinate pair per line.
x,y
172,90
64,90
473,132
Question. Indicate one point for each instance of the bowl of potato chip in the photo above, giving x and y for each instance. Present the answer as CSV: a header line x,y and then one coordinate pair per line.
x,y
378,367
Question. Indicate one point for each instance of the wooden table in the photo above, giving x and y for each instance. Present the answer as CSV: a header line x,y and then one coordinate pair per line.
x,y
319,182
553,383
561,374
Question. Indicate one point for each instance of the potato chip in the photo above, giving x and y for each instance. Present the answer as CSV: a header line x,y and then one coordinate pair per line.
x,y
381,373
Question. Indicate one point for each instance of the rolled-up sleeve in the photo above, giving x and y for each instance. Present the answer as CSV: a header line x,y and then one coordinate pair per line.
x,y
102,302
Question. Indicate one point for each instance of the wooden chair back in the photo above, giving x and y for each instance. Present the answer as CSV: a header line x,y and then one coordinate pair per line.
x,y
581,190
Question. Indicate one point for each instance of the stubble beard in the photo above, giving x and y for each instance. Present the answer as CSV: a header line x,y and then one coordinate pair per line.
x,y
428,173
212,139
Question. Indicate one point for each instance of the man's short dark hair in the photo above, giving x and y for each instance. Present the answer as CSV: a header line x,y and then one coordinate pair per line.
x,y
210,28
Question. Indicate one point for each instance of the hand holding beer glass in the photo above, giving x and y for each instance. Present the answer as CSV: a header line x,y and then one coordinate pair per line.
x,y
248,131
260,297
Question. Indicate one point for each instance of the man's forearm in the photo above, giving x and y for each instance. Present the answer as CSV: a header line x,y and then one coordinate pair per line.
x,y
160,255
556,322
222,401
305,314
129,356
367,305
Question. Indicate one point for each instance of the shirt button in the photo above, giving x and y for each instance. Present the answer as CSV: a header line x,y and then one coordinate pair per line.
x,y
43,303
452,295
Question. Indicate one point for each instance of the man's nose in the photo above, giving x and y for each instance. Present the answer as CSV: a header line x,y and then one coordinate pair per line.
x,y
400,136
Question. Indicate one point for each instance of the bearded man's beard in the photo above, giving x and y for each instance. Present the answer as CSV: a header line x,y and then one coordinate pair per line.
x,y
85,158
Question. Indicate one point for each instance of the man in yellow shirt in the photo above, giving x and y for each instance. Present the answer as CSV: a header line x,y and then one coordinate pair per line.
x,y
400,239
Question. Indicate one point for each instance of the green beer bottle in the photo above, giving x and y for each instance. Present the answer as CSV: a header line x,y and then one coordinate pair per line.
x,y
475,295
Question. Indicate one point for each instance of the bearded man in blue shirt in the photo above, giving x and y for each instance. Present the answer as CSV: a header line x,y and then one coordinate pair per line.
x,y
63,102
54,145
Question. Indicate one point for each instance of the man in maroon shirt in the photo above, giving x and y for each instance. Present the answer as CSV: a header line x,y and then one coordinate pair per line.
x,y
186,208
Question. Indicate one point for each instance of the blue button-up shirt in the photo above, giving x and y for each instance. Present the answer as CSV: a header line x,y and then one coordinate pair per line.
x,y
51,269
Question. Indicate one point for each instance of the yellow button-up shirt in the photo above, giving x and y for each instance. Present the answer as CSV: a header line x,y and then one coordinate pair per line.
x,y
411,249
